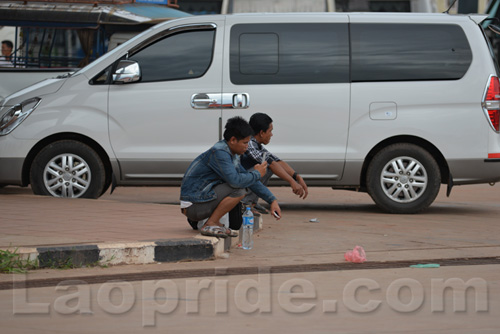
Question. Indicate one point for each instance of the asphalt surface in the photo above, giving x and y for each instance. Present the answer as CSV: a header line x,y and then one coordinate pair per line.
x,y
446,300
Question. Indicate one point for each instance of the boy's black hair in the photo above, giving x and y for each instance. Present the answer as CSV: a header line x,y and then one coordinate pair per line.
x,y
237,127
8,43
260,122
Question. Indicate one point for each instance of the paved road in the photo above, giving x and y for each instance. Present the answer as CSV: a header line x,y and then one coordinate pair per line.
x,y
451,300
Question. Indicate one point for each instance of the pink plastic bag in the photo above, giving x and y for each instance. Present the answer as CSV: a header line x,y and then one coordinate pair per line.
x,y
357,255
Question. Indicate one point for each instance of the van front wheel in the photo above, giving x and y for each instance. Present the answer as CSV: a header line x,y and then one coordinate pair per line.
x,y
403,178
68,168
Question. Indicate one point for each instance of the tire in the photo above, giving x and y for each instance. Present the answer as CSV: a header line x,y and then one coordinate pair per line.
x,y
403,178
68,168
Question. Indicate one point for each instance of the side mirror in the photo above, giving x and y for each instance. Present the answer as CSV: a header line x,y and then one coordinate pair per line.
x,y
127,71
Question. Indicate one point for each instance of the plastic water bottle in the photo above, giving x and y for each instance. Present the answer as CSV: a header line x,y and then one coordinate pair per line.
x,y
247,238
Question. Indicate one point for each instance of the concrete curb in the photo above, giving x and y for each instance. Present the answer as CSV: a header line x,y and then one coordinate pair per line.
x,y
198,248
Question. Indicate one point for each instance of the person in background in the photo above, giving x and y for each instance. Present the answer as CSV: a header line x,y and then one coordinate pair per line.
x,y
6,58
262,126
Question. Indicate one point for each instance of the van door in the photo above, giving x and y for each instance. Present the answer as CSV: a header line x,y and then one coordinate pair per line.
x,y
159,124
297,73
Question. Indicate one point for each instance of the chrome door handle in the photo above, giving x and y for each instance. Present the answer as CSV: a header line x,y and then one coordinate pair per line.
x,y
217,101
206,101
235,100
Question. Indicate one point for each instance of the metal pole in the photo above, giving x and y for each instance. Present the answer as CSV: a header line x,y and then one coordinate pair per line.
x,y
225,6
15,54
330,5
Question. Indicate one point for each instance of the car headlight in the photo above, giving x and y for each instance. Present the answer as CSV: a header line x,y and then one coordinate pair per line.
x,y
17,114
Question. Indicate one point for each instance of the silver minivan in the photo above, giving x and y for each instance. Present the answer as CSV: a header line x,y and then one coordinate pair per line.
x,y
391,104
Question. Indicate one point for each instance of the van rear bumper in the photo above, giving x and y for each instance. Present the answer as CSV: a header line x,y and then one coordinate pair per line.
x,y
474,171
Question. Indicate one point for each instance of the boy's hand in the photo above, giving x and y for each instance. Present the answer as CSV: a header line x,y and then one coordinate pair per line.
x,y
304,186
276,210
298,190
261,168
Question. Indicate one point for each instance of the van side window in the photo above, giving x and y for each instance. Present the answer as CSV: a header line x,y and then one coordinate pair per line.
x,y
403,52
289,53
259,54
185,55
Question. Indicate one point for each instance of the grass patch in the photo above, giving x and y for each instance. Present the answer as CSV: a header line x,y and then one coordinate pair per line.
x,y
13,262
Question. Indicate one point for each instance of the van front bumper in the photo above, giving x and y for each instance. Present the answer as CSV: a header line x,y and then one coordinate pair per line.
x,y
11,171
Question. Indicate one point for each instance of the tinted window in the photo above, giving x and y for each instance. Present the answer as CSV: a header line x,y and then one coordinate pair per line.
x,y
395,52
185,55
259,54
289,53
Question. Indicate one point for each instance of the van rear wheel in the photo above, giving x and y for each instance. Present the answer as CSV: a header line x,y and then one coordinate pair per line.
x,y
68,168
403,178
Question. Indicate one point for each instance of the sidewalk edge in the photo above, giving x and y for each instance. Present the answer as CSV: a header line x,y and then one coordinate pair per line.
x,y
198,248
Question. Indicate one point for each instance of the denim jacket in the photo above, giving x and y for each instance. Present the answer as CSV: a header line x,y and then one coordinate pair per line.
x,y
215,166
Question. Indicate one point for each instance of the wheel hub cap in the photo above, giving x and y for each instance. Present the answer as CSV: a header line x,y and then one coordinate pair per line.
x,y
67,175
404,179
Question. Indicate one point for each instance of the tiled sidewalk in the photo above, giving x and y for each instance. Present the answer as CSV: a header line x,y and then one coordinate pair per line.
x,y
29,220
87,230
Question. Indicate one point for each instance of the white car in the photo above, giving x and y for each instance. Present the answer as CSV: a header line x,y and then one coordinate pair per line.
x,y
390,104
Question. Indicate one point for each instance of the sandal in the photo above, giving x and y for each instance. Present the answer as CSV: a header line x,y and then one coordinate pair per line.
x,y
214,231
230,233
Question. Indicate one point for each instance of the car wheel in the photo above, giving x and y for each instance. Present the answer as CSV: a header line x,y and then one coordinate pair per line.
x,y
68,168
403,178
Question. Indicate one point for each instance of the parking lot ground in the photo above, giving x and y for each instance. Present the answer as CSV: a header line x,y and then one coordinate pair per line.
x,y
34,221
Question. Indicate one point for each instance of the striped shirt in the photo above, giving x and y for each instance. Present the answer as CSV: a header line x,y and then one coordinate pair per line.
x,y
255,153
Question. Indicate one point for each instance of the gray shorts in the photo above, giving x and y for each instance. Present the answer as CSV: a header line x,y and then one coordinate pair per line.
x,y
200,211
